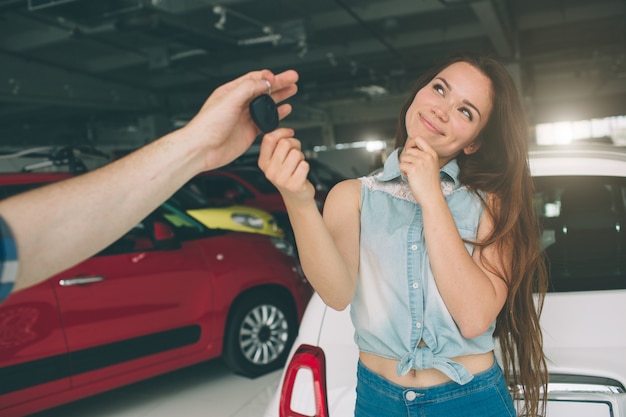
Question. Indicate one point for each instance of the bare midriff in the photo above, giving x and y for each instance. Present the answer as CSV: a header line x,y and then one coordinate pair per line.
x,y
423,378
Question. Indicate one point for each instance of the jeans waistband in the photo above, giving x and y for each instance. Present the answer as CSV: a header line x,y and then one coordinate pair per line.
x,y
491,376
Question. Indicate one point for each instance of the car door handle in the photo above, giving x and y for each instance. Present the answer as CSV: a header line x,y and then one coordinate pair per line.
x,y
80,281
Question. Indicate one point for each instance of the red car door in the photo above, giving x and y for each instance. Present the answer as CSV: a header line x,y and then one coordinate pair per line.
x,y
34,360
128,310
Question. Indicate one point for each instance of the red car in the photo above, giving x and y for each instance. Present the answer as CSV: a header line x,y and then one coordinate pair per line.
x,y
245,184
168,294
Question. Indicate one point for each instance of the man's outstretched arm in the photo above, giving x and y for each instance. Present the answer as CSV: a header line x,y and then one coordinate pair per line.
x,y
59,225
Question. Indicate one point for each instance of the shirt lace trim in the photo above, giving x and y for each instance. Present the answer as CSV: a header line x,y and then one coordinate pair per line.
x,y
400,189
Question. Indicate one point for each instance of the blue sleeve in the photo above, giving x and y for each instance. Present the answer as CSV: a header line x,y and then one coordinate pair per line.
x,y
8,260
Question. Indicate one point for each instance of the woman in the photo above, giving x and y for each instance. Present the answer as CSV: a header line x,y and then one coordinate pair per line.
x,y
437,254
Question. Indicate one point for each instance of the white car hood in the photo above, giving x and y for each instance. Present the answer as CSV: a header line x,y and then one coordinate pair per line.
x,y
584,333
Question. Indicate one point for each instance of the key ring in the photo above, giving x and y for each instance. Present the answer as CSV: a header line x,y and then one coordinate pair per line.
x,y
269,87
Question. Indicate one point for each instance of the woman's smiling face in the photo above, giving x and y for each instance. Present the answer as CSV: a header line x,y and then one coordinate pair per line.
x,y
451,110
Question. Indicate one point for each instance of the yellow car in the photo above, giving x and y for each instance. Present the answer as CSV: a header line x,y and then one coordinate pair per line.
x,y
238,218
226,217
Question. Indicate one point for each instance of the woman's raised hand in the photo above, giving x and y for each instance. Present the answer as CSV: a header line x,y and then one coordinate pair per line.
x,y
419,163
282,161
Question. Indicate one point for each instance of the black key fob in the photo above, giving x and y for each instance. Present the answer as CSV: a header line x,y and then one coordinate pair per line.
x,y
264,113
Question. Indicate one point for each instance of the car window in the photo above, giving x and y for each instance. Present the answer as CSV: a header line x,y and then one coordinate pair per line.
x,y
185,227
141,237
218,187
583,234
138,239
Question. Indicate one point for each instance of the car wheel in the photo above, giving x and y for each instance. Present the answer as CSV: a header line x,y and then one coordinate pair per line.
x,y
261,329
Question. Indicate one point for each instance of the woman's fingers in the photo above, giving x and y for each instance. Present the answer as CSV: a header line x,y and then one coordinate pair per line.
x,y
269,144
419,150
279,149
282,160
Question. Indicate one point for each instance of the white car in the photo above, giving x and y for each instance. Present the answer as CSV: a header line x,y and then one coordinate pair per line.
x,y
581,200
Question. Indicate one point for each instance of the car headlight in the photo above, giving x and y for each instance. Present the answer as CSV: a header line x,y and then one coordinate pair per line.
x,y
247,220
283,246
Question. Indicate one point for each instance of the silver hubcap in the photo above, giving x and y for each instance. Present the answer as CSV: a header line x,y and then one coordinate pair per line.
x,y
263,334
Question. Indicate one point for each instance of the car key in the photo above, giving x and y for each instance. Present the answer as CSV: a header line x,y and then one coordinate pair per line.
x,y
264,113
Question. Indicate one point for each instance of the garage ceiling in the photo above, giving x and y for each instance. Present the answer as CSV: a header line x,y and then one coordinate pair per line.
x,y
70,67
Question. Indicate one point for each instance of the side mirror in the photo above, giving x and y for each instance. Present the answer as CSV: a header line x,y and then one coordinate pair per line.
x,y
164,236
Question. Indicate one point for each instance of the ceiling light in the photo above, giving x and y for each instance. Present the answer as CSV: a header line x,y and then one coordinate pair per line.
x,y
373,90
303,48
331,59
222,12
375,145
273,38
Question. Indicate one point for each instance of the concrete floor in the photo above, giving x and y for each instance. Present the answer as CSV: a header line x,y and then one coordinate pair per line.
x,y
205,390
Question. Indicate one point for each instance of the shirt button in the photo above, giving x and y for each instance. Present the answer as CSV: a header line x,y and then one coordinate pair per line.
x,y
418,325
413,247
416,285
410,395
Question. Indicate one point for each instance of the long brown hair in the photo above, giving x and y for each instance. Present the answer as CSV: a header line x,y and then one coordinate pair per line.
x,y
500,168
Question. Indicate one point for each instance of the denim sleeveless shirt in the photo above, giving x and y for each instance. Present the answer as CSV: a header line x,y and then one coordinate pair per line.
x,y
396,302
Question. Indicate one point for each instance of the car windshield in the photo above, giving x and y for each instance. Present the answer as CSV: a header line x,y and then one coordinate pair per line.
x,y
323,176
257,179
188,198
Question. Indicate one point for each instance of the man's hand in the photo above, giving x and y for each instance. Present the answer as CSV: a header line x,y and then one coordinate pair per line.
x,y
223,127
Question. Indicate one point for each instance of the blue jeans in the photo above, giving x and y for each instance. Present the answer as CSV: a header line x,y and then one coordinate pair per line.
x,y
486,395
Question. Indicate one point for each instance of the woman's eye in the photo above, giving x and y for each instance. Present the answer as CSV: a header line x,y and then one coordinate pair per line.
x,y
439,88
467,113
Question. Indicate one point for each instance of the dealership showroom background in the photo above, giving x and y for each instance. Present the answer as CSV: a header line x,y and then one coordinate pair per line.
x,y
83,82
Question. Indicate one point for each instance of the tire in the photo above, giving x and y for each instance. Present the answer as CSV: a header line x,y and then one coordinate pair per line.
x,y
261,328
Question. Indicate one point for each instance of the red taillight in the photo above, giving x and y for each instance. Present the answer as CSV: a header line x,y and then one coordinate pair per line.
x,y
313,358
